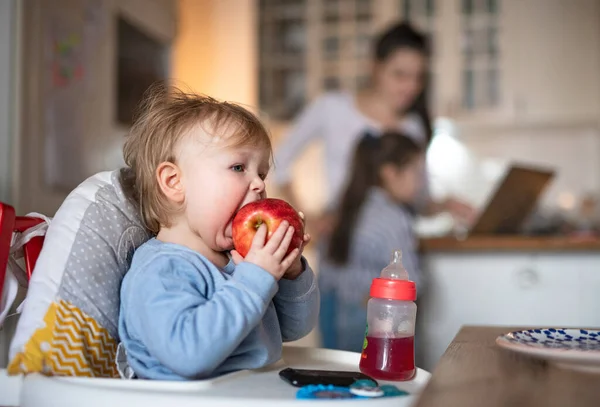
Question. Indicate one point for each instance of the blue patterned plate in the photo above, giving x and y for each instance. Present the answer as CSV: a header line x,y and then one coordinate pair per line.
x,y
573,348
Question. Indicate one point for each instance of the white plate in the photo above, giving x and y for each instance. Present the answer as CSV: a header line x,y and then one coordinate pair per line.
x,y
577,349
256,388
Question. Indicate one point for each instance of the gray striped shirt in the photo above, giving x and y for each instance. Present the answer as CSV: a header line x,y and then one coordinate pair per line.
x,y
382,227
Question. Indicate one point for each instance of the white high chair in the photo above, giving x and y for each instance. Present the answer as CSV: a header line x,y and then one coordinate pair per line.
x,y
250,388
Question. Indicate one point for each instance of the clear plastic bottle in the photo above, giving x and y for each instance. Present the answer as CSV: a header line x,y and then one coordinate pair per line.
x,y
389,348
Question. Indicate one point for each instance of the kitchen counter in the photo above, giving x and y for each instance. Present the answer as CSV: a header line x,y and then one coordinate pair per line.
x,y
505,280
510,243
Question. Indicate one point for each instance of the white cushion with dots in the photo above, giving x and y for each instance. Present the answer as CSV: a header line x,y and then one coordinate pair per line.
x,y
70,317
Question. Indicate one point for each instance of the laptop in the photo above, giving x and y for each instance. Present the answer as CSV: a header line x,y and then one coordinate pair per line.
x,y
515,197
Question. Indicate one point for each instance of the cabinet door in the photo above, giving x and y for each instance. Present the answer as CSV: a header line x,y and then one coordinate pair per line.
x,y
474,66
580,276
559,60
468,289
510,62
505,290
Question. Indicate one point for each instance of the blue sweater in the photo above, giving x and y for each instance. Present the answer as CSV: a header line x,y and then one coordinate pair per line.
x,y
183,318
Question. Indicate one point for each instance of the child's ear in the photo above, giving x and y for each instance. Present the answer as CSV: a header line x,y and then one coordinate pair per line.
x,y
169,179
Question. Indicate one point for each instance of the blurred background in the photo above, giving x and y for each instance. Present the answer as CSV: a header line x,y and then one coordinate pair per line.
x,y
510,81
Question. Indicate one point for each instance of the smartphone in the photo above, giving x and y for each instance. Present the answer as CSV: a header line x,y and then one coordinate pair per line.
x,y
304,377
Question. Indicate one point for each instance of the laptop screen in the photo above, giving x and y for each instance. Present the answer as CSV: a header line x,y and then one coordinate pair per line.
x,y
514,199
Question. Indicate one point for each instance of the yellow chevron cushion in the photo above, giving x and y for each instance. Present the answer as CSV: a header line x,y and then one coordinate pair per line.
x,y
70,344
69,322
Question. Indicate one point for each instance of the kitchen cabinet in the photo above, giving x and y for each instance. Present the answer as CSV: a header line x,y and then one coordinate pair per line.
x,y
558,60
505,288
494,63
515,62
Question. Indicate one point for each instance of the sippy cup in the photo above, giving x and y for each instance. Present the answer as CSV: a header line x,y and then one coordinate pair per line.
x,y
389,348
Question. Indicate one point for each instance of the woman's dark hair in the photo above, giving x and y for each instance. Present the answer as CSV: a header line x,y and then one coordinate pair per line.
x,y
371,154
403,35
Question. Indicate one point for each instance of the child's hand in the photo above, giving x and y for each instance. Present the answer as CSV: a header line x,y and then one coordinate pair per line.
x,y
271,256
461,210
296,268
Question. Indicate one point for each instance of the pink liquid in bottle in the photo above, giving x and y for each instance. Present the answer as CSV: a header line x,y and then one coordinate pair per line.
x,y
389,358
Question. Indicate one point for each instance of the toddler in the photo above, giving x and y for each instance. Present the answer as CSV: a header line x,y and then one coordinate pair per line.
x,y
191,306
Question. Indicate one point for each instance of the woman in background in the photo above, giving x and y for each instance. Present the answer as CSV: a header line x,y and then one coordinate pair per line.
x,y
394,100
372,222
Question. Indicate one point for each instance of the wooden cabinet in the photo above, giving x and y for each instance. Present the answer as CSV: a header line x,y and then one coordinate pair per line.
x,y
558,60
495,62
472,67
514,63
282,27
311,46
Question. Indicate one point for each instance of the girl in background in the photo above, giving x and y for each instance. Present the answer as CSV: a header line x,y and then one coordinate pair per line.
x,y
372,221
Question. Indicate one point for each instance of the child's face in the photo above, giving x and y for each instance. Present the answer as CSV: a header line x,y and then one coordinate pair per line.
x,y
218,180
403,184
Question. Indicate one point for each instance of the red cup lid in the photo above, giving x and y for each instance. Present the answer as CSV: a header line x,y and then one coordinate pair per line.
x,y
401,290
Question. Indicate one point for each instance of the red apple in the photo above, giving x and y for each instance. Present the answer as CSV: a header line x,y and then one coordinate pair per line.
x,y
271,212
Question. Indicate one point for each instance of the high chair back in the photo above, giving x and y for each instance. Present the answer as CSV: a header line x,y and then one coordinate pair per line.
x,y
9,224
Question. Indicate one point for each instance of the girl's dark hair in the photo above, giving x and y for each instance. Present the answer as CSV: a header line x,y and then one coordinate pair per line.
x,y
371,154
403,35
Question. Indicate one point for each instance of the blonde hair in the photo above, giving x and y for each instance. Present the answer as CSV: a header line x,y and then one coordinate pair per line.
x,y
165,117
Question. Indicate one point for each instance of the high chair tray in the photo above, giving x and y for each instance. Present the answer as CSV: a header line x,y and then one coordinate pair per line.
x,y
262,387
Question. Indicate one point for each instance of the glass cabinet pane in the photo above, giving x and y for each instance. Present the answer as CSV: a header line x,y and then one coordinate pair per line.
x,y
406,8
492,6
430,7
331,83
467,7
468,89
363,10
493,92
331,46
417,9
363,45
492,41
480,54
282,47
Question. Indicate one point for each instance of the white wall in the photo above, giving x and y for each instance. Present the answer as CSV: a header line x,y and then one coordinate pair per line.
x,y
470,166
216,49
477,163
101,137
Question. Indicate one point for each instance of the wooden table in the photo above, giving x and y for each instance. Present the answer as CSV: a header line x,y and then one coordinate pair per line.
x,y
474,371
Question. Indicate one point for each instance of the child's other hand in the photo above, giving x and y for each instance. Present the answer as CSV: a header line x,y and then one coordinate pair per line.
x,y
296,268
461,210
271,256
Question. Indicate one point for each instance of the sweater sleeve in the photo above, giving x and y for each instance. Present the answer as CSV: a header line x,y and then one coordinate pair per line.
x,y
386,230
306,128
297,305
186,332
